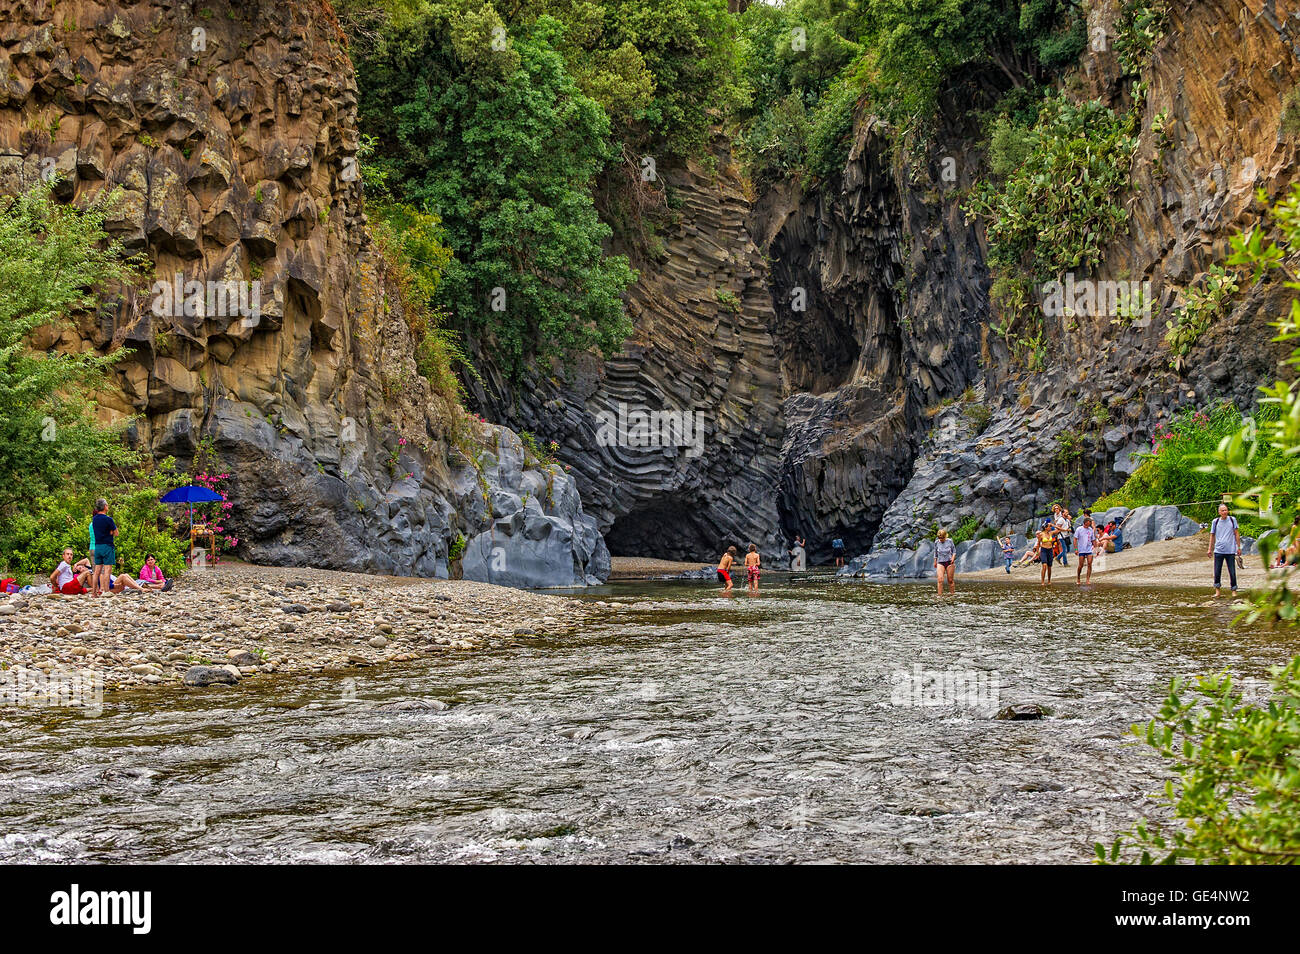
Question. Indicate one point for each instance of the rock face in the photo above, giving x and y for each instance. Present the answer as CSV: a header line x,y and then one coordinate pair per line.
x,y
230,133
702,347
1070,433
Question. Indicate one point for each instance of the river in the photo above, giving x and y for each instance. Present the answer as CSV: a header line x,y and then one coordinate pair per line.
x,y
801,725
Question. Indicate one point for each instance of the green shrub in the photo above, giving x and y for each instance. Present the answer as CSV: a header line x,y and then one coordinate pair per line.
x,y
1202,304
33,538
1059,207
1174,472
1235,798
966,530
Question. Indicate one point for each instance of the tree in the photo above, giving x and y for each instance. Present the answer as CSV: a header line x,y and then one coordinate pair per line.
x,y
488,130
55,262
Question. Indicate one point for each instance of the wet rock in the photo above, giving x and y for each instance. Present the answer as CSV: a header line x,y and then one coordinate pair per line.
x,y
210,675
1021,711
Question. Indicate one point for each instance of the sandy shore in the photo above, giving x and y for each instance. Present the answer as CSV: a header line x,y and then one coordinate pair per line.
x,y
1179,563
644,568
237,621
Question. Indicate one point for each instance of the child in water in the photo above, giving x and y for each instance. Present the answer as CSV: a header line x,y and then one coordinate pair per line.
x,y
751,568
724,568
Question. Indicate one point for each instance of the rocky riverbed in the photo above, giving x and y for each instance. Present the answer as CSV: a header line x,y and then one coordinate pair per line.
x,y
238,621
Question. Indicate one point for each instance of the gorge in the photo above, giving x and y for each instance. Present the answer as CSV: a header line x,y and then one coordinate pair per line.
x,y
834,337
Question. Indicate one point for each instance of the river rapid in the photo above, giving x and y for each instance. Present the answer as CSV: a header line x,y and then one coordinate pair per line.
x,y
821,720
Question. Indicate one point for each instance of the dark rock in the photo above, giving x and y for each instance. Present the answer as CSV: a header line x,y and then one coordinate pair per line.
x,y
210,676
1023,710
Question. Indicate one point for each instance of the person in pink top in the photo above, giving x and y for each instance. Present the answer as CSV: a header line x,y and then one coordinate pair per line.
x,y
151,574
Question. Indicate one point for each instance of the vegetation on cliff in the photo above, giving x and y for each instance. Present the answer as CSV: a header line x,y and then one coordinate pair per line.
x,y
57,262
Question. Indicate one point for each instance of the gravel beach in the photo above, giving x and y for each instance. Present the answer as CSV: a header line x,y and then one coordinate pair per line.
x,y
237,621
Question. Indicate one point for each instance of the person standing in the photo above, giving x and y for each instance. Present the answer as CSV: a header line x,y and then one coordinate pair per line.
x,y
1008,551
837,547
945,558
799,555
1046,539
1085,536
724,568
752,561
104,531
1225,547
1065,527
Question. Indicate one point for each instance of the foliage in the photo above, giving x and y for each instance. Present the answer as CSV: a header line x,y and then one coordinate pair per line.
x,y
33,538
1238,776
802,67
416,258
1173,471
1059,207
1140,26
55,262
489,131
1290,125
966,530
1260,458
1201,305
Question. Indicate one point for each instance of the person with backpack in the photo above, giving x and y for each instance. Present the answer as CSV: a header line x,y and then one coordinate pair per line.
x,y
837,547
1225,547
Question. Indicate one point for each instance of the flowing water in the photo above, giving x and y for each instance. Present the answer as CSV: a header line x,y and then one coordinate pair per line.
x,y
804,724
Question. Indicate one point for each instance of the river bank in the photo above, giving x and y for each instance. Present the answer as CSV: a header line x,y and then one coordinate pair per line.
x,y
237,620
1175,564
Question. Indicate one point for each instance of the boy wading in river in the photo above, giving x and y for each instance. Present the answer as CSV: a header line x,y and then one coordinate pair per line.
x,y
724,568
752,561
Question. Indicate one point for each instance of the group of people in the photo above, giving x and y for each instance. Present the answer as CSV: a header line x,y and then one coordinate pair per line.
x,y
752,564
94,575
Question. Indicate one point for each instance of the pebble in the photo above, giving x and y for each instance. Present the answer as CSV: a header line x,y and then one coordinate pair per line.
x,y
160,639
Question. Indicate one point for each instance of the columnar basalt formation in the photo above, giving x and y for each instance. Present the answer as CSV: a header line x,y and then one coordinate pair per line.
x,y
227,134
702,346
1220,76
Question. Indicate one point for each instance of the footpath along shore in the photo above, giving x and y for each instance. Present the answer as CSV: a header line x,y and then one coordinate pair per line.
x,y
1180,563
236,621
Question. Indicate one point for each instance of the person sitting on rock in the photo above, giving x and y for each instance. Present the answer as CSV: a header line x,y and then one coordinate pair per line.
x,y
67,576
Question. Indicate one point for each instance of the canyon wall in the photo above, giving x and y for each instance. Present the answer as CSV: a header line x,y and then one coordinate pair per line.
x,y
702,346
1220,75
228,135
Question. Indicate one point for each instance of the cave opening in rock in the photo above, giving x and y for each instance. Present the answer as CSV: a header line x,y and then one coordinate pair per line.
x,y
664,529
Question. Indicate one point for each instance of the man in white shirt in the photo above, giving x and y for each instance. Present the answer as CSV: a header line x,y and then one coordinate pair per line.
x,y
1225,547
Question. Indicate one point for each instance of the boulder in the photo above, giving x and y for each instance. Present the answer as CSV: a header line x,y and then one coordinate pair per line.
x,y
1168,523
979,555
211,675
1021,711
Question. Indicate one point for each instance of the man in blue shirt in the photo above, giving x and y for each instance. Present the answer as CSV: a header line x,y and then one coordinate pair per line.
x,y
103,530
1225,546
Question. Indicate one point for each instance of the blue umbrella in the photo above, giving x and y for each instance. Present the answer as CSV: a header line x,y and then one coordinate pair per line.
x,y
191,494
